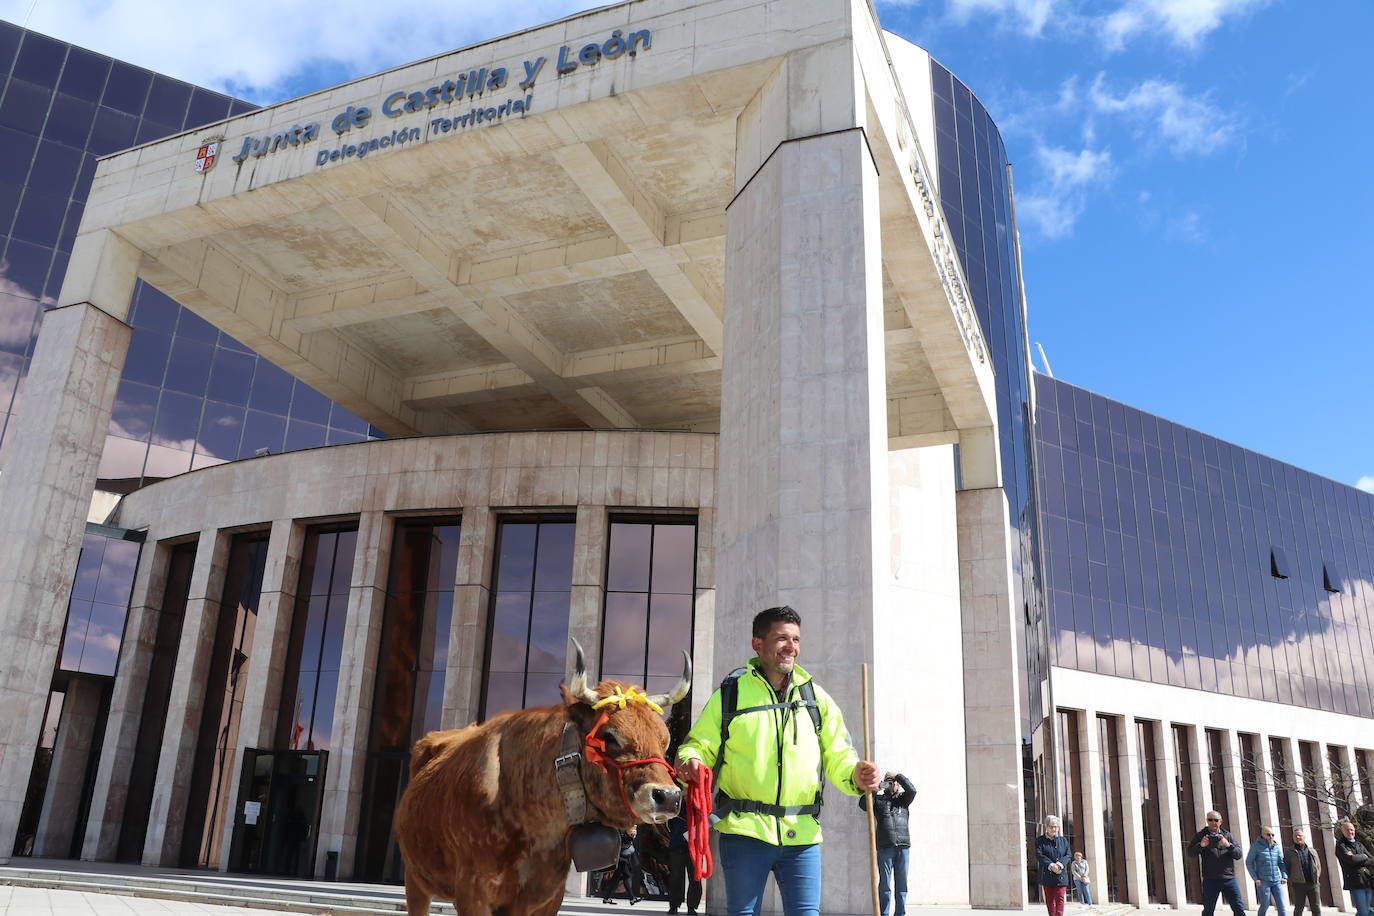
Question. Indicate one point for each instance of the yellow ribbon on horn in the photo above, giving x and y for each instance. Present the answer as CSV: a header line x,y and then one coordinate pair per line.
x,y
633,695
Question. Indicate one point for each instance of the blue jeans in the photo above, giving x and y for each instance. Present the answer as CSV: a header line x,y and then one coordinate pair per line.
x,y
1085,893
892,862
1227,888
747,863
1361,900
1265,891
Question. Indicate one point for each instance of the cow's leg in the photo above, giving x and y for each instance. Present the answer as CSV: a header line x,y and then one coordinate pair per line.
x,y
417,900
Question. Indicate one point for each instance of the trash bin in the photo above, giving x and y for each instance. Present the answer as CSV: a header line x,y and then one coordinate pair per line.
x,y
331,865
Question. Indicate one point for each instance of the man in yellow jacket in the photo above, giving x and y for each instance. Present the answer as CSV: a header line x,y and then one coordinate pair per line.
x,y
770,733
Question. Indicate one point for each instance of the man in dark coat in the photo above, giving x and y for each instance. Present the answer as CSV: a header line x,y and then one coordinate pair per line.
x,y
1357,866
1304,874
1219,853
890,804
682,884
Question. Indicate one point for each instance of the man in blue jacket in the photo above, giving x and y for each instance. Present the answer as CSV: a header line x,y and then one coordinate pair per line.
x,y
1265,864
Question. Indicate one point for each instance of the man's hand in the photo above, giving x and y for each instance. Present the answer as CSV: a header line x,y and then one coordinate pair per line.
x,y
1223,842
1206,841
689,770
866,776
1257,884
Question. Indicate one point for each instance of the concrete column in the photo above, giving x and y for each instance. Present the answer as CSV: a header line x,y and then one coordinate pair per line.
x,y
588,586
803,470
1323,838
343,791
126,705
1268,814
1130,767
1094,831
467,645
1172,833
167,815
992,706
1240,816
45,491
267,657
62,799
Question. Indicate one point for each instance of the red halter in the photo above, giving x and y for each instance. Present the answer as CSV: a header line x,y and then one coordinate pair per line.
x,y
595,752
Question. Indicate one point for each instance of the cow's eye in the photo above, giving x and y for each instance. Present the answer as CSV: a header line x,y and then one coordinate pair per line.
x,y
612,739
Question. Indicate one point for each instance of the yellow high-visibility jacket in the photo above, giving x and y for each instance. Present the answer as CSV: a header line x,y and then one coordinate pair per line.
x,y
774,756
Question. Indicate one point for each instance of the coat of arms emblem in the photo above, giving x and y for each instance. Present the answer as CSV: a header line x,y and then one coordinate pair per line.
x,y
208,154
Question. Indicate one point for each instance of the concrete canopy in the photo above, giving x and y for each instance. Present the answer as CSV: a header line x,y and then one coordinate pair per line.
x,y
557,263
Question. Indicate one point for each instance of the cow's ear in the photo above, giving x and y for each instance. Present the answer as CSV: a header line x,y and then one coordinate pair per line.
x,y
583,716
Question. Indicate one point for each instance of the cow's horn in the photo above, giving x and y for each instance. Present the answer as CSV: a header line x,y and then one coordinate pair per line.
x,y
680,691
578,687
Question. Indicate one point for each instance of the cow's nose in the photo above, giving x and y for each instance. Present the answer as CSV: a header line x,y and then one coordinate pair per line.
x,y
666,799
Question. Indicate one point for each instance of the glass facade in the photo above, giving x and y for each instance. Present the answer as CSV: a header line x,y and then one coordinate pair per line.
x,y
409,697
976,198
527,633
191,396
1178,558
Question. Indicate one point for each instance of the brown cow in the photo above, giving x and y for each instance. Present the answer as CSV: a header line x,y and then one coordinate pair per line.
x,y
482,822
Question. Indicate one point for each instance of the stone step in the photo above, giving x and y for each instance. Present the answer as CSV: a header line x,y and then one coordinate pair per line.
x,y
229,890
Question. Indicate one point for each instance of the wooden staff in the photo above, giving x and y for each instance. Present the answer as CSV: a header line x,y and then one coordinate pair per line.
x,y
868,803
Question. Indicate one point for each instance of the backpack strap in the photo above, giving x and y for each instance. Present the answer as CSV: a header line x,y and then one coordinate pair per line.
x,y
729,711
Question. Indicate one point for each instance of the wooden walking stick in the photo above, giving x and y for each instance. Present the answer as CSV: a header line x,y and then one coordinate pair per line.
x,y
868,803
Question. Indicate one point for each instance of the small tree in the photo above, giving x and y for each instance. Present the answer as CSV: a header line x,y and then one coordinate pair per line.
x,y
1336,789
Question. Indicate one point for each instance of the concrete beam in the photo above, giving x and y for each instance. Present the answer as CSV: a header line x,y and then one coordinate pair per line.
x,y
641,224
384,221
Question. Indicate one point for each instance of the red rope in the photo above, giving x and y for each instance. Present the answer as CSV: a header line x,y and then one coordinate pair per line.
x,y
699,824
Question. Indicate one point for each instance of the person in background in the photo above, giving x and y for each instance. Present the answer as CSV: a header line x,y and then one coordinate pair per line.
x,y
1304,874
1269,871
682,883
1053,853
1078,873
1355,865
1218,851
890,804
627,872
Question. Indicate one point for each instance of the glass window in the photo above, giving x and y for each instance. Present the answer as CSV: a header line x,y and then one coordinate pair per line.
x,y
231,376
167,102
40,59
648,617
271,389
112,131
101,591
528,627
316,648
55,168
127,88
25,106
14,165
70,120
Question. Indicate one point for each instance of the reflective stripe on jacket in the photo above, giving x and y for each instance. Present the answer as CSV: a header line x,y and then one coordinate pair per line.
x,y
774,756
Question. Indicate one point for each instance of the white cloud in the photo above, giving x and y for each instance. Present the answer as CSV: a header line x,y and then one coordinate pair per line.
x,y
1365,483
1027,16
1056,201
1183,123
256,48
1184,22
1186,227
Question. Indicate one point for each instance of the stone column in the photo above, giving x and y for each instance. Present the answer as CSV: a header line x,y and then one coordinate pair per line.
x,y
126,706
467,645
167,814
1322,838
704,677
803,469
1094,831
267,657
45,491
343,792
1130,768
1240,826
62,799
588,586
1268,814
1172,833
992,705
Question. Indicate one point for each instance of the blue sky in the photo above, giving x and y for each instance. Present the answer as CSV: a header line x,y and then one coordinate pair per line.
x,y
1194,198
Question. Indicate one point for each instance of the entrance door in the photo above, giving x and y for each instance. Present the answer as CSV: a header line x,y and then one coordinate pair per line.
x,y
277,818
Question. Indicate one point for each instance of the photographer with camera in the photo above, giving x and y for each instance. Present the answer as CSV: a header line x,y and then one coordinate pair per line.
x,y
1219,853
890,804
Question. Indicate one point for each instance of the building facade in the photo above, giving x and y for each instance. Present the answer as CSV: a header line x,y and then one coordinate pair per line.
x,y
618,328
1209,631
